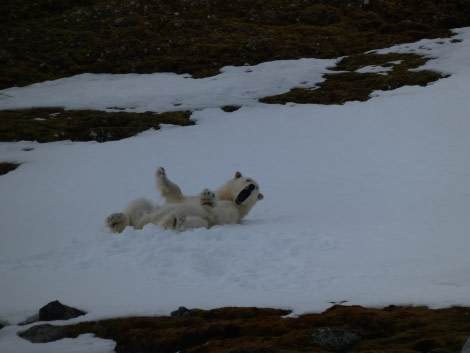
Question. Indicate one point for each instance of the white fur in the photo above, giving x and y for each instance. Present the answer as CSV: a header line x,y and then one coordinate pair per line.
x,y
227,205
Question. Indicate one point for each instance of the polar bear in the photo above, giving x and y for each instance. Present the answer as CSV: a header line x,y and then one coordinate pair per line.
x,y
227,205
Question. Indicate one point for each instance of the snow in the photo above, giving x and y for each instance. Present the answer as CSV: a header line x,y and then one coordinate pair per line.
x,y
381,70
167,91
366,202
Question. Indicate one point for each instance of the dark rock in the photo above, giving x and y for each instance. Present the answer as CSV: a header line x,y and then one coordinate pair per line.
x,y
182,312
44,333
57,311
230,108
336,340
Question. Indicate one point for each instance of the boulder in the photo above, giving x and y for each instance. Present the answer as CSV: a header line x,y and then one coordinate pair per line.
x,y
54,310
44,333
57,311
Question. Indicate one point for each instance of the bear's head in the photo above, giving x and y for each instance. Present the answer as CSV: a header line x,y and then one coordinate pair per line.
x,y
243,192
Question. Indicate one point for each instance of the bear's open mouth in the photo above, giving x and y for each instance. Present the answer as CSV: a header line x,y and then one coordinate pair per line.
x,y
244,194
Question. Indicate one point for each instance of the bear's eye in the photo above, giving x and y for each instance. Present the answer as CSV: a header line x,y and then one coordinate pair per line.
x,y
249,180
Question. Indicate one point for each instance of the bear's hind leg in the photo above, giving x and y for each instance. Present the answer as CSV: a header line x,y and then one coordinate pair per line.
x,y
169,190
196,222
116,222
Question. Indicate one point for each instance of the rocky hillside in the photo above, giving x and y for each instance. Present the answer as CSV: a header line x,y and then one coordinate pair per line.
x,y
48,39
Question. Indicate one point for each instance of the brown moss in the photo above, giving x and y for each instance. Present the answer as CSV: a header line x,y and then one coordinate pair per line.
x,y
351,85
48,39
54,124
392,329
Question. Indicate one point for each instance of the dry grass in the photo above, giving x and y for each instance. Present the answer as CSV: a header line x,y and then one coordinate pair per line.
x,y
392,329
350,85
54,124
49,39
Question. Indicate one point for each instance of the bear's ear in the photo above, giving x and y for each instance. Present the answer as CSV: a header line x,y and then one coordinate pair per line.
x,y
260,196
238,175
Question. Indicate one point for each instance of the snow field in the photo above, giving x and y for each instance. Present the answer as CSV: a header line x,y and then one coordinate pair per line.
x,y
366,202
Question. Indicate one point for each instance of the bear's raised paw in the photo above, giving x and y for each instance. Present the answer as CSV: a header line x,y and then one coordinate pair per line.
x,y
160,175
161,172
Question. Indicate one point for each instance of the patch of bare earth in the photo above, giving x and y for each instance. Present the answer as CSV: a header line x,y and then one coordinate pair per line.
x,y
253,330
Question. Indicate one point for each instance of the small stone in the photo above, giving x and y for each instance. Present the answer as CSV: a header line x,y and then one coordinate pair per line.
x,y
336,340
182,312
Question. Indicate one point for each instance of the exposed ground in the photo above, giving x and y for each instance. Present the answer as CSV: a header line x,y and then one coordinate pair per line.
x,y
48,39
253,330
55,123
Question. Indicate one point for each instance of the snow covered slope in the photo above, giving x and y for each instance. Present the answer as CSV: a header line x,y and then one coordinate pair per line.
x,y
366,202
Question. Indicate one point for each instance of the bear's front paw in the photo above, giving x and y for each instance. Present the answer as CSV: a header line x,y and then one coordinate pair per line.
x,y
208,198
161,178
